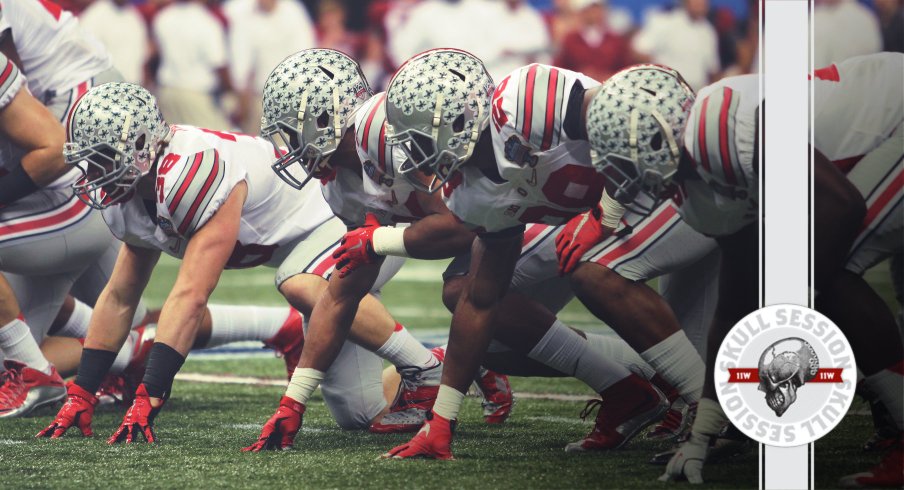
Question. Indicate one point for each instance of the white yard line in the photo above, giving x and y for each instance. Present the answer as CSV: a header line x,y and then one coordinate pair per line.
x,y
252,381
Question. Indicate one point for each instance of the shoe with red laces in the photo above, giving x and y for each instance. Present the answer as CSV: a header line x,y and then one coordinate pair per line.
x,y
416,397
288,341
24,389
888,473
433,441
626,408
120,388
497,395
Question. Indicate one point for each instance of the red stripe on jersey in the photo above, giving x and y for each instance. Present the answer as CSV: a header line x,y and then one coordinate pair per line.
x,y
828,73
186,183
532,232
723,137
701,136
326,264
6,72
529,100
381,151
45,222
550,108
638,238
882,201
190,215
370,119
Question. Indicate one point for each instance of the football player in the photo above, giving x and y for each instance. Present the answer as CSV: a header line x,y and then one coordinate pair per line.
x,y
438,111
353,188
209,198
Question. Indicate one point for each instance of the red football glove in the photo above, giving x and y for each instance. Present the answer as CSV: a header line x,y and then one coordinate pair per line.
x,y
77,411
138,420
357,247
279,432
432,441
579,235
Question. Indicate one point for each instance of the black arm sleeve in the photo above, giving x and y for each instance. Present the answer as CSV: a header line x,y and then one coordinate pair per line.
x,y
15,185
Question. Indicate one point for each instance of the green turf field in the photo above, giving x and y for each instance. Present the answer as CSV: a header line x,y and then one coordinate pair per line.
x,y
204,425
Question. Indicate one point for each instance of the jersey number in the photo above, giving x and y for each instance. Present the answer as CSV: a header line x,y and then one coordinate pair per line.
x,y
555,189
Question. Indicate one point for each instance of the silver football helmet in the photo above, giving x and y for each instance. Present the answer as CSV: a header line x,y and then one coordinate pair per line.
x,y
309,101
437,106
113,135
635,124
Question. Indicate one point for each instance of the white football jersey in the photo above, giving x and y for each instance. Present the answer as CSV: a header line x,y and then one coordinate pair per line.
x,y
720,137
56,53
194,178
388,194
546,176
857,104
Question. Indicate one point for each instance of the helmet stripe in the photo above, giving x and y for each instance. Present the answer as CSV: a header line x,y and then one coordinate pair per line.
x,y
367,124
724,137
713,136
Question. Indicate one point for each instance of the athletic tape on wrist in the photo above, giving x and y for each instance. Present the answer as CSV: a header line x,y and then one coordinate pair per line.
x,y
389,240
612,211
303,383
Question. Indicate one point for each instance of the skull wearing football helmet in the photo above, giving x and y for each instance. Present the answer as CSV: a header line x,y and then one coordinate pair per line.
x,y
437,106
635,124
784,367
113,135
309,101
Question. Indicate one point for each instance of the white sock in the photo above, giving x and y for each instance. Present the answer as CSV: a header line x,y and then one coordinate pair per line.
x,y
888,386
679,364
235,323
77,325
404,351
710,418
18,344
125,354
303,383
565,350
448,402
617,350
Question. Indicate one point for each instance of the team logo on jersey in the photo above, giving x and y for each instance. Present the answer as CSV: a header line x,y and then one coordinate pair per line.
x,y
167,226
376,174
785,375
518,152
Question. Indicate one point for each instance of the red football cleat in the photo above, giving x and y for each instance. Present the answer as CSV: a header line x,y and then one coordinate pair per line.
x,y
289,341
23,389
497,396
416,397
888,473
675,421
626,407
433,441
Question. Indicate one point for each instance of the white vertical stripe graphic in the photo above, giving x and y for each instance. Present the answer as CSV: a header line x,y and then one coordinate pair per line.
x,y
785,197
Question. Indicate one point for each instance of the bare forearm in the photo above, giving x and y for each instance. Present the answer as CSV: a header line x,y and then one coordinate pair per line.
x,y
44,165
110,321
437,237
180,320
330,322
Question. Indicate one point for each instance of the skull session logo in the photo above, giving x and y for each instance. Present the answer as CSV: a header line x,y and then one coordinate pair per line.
x,y
785,375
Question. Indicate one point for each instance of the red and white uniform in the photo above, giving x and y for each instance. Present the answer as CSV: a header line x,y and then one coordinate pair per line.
x,y
196,176
57,54
547,178
859,125
720,138
50,242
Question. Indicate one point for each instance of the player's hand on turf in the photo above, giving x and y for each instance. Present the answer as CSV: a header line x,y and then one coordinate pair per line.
x,y
279,432
357,247
579,235
77,411
433,441
139,420
687,463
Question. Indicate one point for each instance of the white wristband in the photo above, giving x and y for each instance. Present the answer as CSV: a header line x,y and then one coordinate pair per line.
x,y
612,211
389,240
303,383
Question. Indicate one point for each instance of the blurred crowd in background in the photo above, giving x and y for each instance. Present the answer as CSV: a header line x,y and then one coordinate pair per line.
x,y
223,50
